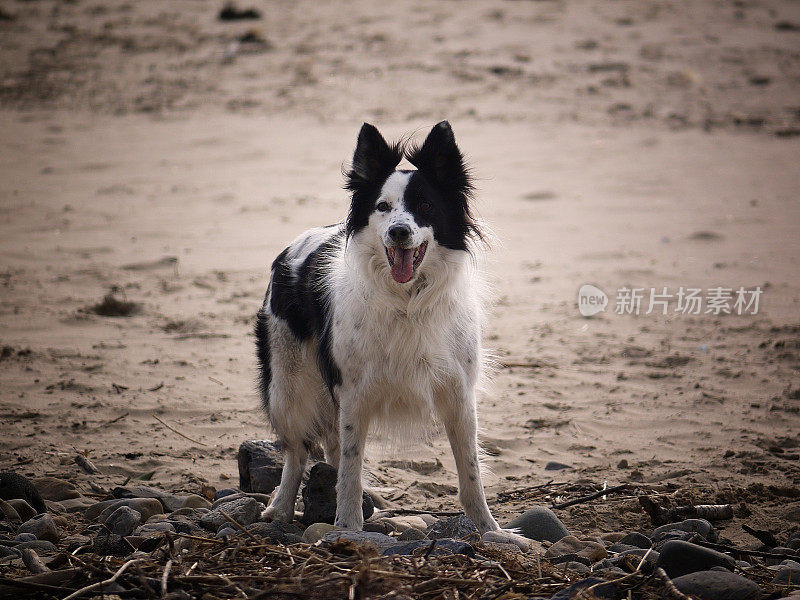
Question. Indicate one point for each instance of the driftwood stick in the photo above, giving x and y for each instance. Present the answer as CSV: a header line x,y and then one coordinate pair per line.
x,y
183,435
662,516
590,497
108,581
33,562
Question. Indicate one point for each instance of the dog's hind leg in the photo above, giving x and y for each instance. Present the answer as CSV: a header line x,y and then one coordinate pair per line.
x,y
282,506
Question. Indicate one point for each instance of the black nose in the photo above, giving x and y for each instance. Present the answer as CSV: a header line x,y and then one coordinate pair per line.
x,y
399,233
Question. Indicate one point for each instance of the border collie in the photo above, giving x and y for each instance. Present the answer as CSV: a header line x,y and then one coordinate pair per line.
x,y
378,318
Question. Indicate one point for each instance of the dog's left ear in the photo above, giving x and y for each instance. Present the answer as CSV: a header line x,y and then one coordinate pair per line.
x,y
440,160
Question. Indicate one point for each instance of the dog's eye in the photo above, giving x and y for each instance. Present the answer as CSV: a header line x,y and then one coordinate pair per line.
x,y
383,206
425,207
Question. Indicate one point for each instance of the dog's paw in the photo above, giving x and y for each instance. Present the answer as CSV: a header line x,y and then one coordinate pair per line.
x,y
508,536
273,514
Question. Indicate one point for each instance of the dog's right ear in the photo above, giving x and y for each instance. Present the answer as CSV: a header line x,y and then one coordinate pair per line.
x,y
374,159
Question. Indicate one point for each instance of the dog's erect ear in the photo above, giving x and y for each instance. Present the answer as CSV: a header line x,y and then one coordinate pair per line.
x,y
441,161
373,159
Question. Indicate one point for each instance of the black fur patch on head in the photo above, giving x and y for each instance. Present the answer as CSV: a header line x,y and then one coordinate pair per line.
x,y
442,168
299,299
373,161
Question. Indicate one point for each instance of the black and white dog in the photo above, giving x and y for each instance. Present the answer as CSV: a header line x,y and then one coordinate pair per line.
x,y
378,318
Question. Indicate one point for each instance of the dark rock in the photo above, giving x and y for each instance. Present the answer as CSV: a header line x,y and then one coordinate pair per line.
x,y
42,526
539,523
789,572
459,527
25,537
622,547
600,589
40,546
185,526
24,510
263,498
422,547
569,545
260,466
319,496
79,504
699,526
169,502
411,534
14,486
243,510
53,488
229,12
225,492
225,531
111,544
681,558
123,521
556,466
8,551
718,585
378,527
779,550
147,507
277,532
636,539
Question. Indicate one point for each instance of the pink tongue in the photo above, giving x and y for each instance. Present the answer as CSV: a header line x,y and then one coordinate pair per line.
x,y
403,267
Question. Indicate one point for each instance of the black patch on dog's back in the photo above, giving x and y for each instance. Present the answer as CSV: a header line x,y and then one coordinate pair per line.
x,y
299,299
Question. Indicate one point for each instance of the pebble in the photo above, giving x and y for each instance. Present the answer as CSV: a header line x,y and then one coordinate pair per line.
x,y
421,547
25,537
370,539
53,488
16,487
591,550
184,525
7,551
636,539
123,521
154,527
789,572
263,498
24,510
315,531
147,507
226,531
9,512
539,523
260,466
42,526
41,546
719,585
603,591
411,534
699,526
225,492
556,466
681,558
319,496
459,527
195,501
405,522
277,532
170,502
111,544
242,510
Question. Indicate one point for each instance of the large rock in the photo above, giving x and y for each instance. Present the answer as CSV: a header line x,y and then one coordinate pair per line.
x,y
681,558
24,510
147,507
8,512
698,526
319,496
718,585
539,523
123,521
459,527
243,510
260,466
14,486
53,488
42,526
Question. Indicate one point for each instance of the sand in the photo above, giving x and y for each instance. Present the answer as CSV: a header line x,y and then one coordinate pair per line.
x,y
145,152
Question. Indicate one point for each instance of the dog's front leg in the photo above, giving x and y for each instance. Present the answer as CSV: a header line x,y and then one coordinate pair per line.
x,y
352,437
460,420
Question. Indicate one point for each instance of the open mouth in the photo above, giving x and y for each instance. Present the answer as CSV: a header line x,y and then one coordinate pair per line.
x,y
404,261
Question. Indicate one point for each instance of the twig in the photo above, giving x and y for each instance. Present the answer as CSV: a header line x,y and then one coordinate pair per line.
x,y
183,435
119,388
582,499
535,364
108,581
156,388
119,418
239,526
164,578
85,464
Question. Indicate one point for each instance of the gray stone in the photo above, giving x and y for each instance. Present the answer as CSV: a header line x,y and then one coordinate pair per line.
x,y
184,525
539,523
154,527
788,572
260,466
315,531
243,510
457,528
636,539
718,585
42,526
277,532
263,498
370,539
111,544
147,507
195,501
225,492
556,466
79,504
699,526
8,512
573,547
681,558
169,502
226,531
123,521
53,488
8,551
411,534
319,496
24,510
40,546
16,487
440,546
25,537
